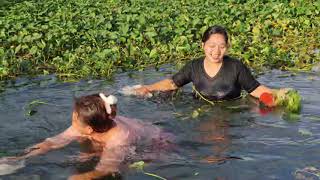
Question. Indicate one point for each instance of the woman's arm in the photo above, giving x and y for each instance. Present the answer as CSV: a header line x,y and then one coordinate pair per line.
x,y
163,85
38,149
184,76
48,144
109,164
52,143
261,89
94,174
273,93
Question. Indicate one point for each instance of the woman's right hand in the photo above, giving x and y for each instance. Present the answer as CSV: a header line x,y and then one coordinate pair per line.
x,y
142,91
136,90
38,149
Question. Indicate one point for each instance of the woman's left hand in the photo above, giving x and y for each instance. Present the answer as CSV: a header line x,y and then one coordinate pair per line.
x,y
281,93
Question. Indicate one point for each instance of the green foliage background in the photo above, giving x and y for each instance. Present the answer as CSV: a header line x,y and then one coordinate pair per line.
x,y
80,38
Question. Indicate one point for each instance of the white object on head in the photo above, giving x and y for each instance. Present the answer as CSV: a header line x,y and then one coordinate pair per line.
x,y
110,100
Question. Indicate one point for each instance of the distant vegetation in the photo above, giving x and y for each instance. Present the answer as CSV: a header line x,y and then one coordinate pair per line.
x,y
95,38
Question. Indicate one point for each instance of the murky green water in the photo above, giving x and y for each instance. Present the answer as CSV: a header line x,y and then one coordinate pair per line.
x,y
231,140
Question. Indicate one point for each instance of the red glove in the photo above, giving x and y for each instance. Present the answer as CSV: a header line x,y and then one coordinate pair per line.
x,y
267,99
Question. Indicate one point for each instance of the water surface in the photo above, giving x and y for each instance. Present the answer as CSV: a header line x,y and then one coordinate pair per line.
x,y
230,140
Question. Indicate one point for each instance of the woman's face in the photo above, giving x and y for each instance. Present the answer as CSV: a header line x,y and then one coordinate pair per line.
x,y
215,48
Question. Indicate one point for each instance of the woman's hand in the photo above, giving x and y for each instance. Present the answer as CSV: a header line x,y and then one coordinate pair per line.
x,y
272,99
142,91
38,149
281,93
136,90
269,96
45,145
146,90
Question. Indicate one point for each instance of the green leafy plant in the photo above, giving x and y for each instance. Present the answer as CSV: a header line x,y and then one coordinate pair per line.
x,y
95,38
30,108
291,101
140,166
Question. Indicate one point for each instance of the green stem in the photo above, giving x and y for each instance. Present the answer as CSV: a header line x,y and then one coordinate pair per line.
x,y
201,97
154,175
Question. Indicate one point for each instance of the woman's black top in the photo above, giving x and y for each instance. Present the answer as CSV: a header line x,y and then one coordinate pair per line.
x,y
227,84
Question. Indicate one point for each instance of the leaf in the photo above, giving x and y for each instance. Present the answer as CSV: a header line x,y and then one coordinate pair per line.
x,y
17,49
305,132
36,36
256,30
33,50
124,28
151,34
41,44
113,35
137,165
153,53
27,38
1,52
142,20
32,105
195,114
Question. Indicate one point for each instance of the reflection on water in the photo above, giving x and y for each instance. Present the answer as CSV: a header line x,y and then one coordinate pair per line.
x,y
215,132
230,140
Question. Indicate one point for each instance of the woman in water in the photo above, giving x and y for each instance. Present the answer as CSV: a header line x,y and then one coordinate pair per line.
x,y
216,76
113,138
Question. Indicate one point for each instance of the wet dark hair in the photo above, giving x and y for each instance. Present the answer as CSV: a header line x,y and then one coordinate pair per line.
x,y
91,111
216,29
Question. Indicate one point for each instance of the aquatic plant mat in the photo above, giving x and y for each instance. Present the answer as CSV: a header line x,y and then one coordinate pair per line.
x,y
96,38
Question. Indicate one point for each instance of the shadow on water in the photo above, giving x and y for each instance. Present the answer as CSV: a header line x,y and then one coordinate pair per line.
x,y
230,140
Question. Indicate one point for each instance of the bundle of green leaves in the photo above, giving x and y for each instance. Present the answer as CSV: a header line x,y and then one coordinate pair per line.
x,y
291,100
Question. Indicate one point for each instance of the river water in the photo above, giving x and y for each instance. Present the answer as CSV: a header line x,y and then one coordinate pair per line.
x,y
229,140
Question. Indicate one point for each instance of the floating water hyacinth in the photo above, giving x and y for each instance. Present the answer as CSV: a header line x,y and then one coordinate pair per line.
x,y
137,165
291,100
140,166
309,172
